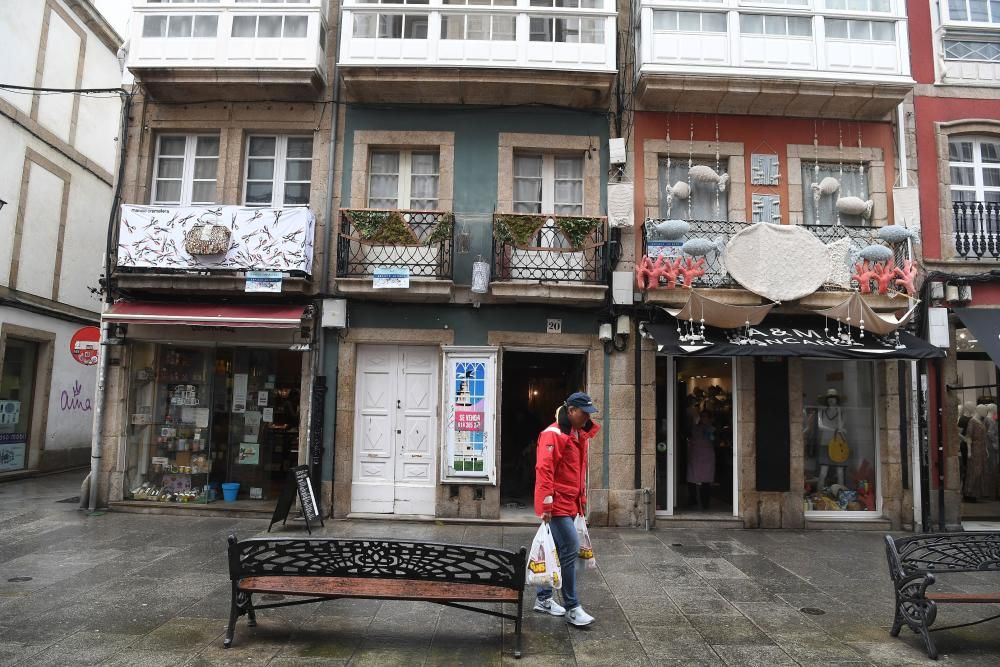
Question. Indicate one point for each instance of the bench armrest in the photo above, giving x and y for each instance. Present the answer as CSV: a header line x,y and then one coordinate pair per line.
x,y
913,587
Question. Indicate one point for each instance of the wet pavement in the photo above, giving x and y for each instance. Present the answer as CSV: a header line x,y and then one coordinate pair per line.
x,y
130,589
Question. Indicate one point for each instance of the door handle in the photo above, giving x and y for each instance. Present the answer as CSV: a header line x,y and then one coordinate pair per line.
x,y
399,432
399,404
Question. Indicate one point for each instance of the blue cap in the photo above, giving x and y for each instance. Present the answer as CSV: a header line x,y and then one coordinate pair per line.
x,y
582,401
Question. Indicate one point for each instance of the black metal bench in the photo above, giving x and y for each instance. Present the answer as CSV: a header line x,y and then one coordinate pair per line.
x,y
329,568
913,564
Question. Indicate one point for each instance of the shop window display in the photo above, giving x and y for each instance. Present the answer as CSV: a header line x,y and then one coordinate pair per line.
x,y
202,416
840,437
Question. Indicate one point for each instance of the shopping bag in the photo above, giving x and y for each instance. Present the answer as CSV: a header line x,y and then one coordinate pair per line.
x,y
586,553
543,560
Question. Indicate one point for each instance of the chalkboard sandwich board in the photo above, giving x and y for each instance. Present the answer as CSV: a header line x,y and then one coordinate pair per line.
x,y
298,484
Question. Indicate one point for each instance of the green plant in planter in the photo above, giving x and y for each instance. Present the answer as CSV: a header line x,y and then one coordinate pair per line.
x,y
392,230
517,228
442,231
367,223
577,230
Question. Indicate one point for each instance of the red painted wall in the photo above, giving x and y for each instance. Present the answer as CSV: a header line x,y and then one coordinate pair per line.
x,y
918,15
758,134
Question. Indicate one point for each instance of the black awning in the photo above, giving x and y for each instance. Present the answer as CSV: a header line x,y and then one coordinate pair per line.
x,y
793,336
985,326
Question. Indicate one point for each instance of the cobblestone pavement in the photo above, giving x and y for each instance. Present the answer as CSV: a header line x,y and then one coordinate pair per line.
x,y
127,589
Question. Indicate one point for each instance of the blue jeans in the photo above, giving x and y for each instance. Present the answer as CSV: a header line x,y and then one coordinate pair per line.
x,y
568,547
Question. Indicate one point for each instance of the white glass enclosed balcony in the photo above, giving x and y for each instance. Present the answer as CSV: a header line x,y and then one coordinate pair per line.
x,y
491,50
177,45
855,49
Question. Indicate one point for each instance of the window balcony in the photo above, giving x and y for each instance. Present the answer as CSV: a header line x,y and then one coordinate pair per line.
x,y
419,241
976,227
457,51
539,257
716,276
229,49
811,58
211,247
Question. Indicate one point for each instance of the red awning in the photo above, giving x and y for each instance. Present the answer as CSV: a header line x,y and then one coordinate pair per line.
x,y
205,315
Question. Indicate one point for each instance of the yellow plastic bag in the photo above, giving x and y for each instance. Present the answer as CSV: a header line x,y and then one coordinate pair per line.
x,y
543,560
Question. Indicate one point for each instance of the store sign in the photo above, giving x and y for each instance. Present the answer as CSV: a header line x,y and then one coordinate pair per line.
x,y
656,249
85,345
391,277
263,281
469,415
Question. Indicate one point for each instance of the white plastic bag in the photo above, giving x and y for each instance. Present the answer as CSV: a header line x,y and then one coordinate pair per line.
x,y
543,560
586,553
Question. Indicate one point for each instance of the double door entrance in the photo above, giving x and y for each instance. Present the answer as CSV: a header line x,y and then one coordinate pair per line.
x,y
396,415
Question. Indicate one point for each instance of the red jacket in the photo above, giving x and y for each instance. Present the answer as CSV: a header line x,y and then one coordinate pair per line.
x,y
561,470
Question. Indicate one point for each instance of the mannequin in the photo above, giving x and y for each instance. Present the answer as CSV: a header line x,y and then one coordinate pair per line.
x,y
965,416
977,475
829,421
701,460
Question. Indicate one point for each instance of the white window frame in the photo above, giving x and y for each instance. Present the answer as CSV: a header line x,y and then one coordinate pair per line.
x,y
946,14
405,181
980,188
549,180
278,180
187,173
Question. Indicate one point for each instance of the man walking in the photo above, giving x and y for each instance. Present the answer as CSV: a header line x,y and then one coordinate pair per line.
x,y
561,494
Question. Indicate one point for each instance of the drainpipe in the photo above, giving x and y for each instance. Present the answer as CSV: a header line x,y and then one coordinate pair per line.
x,y
638,404
97,430
319,357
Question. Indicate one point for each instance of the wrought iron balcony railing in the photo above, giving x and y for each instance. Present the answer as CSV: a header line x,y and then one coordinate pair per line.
x,y
420,241
977,229
715,272
550,248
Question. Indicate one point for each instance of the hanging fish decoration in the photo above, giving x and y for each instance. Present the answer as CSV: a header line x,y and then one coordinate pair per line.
x,y
670,230
897,234
701,246
704,174
855,206
826,187
679,190
875,253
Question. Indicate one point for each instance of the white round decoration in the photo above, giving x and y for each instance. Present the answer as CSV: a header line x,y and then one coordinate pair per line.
x,y
780,262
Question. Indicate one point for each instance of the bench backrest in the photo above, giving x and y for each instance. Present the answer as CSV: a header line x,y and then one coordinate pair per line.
x,y
943,552
371,558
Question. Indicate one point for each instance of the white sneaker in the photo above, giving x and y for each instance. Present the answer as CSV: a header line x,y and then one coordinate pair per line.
x,y
550,606
578,617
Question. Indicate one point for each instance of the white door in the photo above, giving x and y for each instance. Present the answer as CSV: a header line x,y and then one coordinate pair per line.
x,y
394,441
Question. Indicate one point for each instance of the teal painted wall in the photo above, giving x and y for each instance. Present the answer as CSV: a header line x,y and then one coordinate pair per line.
x,y
476,156
471,325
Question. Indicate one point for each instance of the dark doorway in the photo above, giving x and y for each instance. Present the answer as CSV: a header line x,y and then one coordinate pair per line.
x,y
534,385
703,443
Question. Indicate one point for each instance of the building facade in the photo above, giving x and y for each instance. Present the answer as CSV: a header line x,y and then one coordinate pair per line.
x,y
696,212
956,106
57,170
769,129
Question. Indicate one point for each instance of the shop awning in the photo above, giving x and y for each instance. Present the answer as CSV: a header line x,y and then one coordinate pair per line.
x,y
206,315
985,326
791,336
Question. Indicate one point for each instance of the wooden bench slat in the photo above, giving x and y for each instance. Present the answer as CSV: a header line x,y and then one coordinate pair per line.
x,y
388,589
967,598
